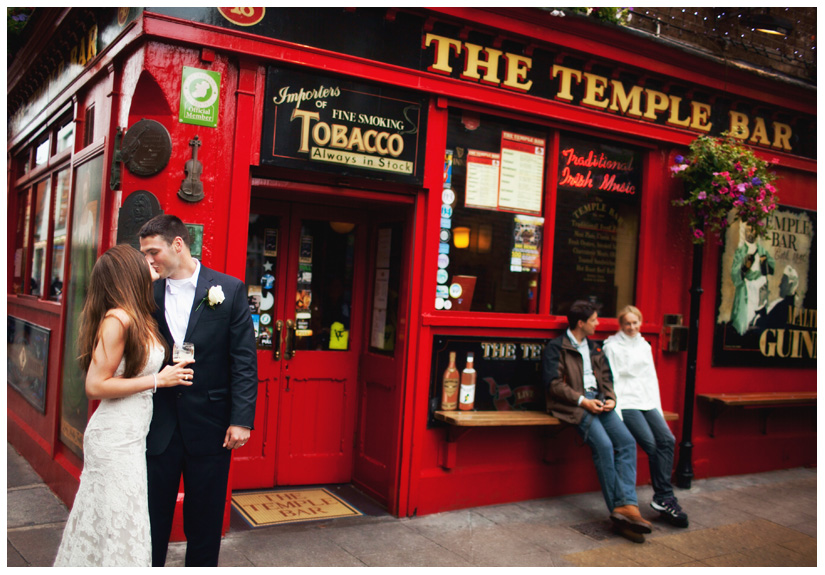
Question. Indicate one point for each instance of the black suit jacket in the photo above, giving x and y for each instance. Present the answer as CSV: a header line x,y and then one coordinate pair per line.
x,y
225,381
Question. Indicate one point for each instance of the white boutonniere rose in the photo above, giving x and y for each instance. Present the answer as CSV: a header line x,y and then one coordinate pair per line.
x,y
214,297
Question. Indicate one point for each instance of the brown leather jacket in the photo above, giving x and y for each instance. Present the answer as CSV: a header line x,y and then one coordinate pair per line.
x,y
563,377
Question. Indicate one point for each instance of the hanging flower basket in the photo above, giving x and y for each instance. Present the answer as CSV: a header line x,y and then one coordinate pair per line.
x,y
725,182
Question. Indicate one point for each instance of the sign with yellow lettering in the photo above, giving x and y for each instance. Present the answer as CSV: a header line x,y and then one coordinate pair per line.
x,y
766,304
333,125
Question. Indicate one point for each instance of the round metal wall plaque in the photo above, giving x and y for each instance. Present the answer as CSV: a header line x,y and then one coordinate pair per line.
x,y
146,148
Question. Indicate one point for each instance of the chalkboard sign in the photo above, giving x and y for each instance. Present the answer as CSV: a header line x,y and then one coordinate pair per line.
x,y
508,371
597,224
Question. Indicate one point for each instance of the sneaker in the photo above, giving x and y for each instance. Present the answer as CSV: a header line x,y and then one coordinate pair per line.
x,y
670,509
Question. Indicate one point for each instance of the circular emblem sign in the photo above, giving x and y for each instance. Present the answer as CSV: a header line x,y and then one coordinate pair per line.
x,y
146,148
243,16
200,90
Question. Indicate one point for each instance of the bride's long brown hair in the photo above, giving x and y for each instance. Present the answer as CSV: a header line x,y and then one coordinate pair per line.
x,y
120,279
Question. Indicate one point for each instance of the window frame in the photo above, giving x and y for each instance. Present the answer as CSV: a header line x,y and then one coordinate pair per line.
x,y
543,317
29,176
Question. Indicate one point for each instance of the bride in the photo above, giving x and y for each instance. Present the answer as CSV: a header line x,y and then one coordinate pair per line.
x,y
122,351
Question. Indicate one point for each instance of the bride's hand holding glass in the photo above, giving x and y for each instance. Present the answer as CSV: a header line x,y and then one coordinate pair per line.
x,y
177,374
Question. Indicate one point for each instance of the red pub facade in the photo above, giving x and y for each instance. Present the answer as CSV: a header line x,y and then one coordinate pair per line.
x,y
394,185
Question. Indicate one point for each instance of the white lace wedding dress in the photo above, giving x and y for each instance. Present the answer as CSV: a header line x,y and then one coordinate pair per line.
x,y
109,522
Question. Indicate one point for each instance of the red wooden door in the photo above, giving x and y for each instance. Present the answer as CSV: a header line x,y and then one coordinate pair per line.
x,y
309,265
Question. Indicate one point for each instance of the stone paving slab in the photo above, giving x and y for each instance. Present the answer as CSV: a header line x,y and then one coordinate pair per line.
x,y
765,519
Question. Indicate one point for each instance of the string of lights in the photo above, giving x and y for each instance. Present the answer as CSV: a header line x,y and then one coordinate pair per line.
x,y
782,39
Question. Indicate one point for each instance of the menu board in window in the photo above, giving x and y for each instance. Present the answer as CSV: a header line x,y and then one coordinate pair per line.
x,y
482,179
522,173
597,224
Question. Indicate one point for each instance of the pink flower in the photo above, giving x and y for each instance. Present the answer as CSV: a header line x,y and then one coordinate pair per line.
x,y
679,168
701,195
698,234
737,166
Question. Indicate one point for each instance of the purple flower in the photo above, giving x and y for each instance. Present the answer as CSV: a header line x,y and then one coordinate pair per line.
x,y
679,159
756,181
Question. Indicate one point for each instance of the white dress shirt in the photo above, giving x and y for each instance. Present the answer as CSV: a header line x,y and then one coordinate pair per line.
x,y
587,366
180,295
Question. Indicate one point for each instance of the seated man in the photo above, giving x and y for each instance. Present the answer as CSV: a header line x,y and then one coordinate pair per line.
x,y
579,390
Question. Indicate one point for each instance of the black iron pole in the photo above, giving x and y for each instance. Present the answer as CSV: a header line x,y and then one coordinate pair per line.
x,y
684,469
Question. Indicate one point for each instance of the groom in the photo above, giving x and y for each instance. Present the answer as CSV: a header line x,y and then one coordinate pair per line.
x,y
195,429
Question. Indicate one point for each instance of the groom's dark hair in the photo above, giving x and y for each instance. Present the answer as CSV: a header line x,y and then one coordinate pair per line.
x,y
168,227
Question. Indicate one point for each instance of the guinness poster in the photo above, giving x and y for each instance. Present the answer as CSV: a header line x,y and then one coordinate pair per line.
x,y
766,302
328,124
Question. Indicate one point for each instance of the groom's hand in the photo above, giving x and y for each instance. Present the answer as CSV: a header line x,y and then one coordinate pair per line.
x,y
236,436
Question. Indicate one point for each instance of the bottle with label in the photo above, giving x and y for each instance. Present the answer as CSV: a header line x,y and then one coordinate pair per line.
x,y
467,392
449,386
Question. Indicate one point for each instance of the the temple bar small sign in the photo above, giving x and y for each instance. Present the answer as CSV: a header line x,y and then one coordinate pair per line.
x,y
348,128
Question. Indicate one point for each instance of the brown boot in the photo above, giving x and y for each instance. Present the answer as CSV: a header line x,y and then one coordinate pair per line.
x,y
628,534
628,516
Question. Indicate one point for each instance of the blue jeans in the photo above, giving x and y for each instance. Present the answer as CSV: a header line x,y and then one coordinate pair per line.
x,y
614,454
655,439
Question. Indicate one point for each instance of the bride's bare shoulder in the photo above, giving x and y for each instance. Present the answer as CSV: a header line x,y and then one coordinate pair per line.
x,y
120,315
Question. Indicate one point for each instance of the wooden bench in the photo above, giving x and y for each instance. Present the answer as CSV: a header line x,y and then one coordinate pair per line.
x,y
463,421
764,400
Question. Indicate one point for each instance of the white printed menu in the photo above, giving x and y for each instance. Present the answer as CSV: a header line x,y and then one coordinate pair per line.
x,y
522,173
482,179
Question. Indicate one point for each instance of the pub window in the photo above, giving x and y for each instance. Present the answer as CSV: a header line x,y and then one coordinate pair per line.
x,y
89,126
42,214
492,215
596,233
65,136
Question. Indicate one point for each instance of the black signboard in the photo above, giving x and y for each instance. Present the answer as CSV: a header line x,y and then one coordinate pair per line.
x,y
766,301
328,124
508,371
597,223
417,39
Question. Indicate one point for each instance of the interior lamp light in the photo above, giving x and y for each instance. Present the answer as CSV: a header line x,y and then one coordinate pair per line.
x,y
461,238
485,238
342,227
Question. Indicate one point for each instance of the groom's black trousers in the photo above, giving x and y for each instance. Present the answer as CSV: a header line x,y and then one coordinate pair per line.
x,y
205,479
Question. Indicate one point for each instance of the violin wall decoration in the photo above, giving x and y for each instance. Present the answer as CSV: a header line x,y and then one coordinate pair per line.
x,y
191,188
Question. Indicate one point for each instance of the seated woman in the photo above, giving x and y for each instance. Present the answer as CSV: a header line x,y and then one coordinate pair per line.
x,y
638,404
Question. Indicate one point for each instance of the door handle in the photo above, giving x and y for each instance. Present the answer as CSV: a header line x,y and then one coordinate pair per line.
x,y
279,325
289,353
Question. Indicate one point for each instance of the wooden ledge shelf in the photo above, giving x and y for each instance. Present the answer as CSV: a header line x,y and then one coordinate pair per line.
x,y
507,418
766,400
461,422
496,418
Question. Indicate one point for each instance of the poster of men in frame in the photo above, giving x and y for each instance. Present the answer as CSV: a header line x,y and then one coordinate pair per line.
x,y
766,301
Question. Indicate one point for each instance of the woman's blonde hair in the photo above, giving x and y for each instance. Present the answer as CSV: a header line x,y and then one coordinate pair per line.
x,y
120,279
630,309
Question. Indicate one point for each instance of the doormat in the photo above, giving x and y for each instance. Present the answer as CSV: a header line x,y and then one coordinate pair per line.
x,y
263,508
